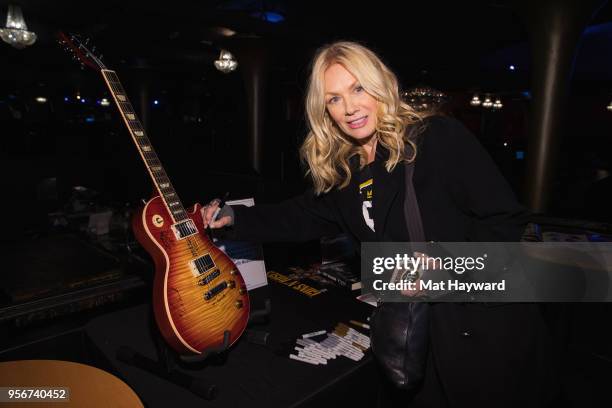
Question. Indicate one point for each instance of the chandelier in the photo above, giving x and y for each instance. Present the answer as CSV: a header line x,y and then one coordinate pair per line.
x,y
424,98
16,31
226,62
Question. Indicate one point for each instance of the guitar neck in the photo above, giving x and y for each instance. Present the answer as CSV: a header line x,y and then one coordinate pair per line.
x,y
139,136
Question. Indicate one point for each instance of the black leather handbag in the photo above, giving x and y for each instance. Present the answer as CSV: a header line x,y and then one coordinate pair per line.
x,y
400,331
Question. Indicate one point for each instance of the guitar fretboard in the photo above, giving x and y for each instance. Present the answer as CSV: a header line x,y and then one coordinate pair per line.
x,y
156,170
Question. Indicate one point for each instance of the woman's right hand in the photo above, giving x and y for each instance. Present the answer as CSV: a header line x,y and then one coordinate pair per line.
x,y
209,210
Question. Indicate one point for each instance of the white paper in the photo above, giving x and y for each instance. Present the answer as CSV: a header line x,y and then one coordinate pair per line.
x,y
247,256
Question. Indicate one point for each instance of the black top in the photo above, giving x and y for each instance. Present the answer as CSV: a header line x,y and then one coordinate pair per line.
x,y
396,231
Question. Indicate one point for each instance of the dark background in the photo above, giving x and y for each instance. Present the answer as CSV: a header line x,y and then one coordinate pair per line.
x,y
164,52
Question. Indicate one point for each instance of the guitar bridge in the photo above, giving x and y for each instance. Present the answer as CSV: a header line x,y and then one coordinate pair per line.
x,y
214,291
209,278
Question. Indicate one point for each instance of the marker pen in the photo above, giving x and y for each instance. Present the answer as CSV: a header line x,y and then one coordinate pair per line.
x,y
354,339
346,348
313,334
312,351
313,357
345,341
318,346
221,205
359,324
303,359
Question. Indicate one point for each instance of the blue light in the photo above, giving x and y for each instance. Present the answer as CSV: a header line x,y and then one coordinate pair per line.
x,y
90,119
273,17
82,100
269,16
526,94
155,102
520,155
604,28
66,99
511,67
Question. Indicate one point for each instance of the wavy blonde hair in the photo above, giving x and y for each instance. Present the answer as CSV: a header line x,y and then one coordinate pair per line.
x,y
326,149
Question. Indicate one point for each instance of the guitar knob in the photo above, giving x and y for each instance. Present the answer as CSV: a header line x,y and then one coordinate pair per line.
x,y
234,272
242,290
231,284
238,304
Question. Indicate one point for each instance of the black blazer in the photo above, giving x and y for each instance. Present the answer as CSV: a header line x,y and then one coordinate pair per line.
x,y
482,355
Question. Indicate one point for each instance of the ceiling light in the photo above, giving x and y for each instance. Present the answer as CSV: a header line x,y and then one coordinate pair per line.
x,y
224,31
226,62
16,31
424,98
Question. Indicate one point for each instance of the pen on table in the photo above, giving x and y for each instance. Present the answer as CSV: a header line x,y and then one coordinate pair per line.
x,y
360,324
313,334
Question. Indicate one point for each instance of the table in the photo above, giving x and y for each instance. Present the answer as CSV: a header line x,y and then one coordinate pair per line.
x,y
252,374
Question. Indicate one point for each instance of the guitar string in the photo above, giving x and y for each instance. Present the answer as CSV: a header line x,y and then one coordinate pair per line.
x,y
151,158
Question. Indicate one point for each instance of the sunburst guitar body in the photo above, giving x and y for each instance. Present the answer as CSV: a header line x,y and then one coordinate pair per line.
x,y
198,292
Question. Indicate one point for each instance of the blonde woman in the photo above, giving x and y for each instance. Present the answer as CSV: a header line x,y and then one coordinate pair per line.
x,y
356,152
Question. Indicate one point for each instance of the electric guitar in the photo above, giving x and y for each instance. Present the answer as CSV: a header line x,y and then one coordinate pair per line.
x,y
198,294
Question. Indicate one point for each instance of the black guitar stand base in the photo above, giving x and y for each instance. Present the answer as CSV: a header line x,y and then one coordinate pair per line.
x,y
168,361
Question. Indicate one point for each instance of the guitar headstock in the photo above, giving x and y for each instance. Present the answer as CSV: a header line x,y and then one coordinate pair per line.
x,y
81,50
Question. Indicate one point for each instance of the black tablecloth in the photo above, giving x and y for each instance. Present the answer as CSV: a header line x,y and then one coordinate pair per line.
x,y
252,375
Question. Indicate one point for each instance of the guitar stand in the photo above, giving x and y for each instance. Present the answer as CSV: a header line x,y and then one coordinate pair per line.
x,y
168,359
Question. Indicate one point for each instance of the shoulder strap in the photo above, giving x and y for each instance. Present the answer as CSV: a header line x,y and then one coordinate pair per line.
x,y
411,206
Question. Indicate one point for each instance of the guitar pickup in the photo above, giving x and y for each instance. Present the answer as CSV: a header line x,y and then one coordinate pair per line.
x,y
184,229
201,265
